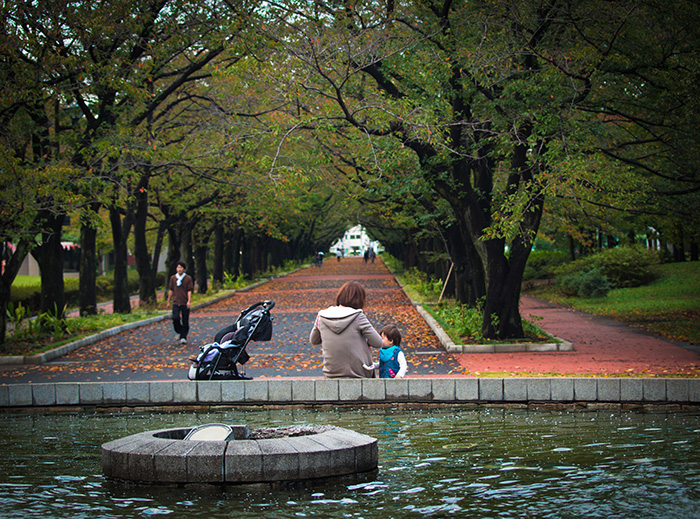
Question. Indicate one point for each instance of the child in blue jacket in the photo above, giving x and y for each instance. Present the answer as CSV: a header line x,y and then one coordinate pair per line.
x,y
392,361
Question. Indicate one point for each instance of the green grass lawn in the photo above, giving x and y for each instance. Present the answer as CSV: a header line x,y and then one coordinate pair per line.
x,y
670,306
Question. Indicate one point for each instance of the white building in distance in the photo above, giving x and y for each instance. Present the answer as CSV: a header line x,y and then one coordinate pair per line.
x,y
355,242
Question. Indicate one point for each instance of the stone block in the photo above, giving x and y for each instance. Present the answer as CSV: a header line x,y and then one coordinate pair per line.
x,y
565,346
4,396
608,389
20,394
349,389
366,451
694,390
303,390
443,389
466,389
114,392
539,389
654,389
509,348
205,462
171,462
631,390
396,389
562,389
140,462
677,390
243,462
90,393
161,392
373,389
515,390
585,389
280,390
115,455
185,392
233,391
327,390
541,347
342,453
208,391
491,389
67,393
138,393
44,394
421,389
257,391
280,461
314,459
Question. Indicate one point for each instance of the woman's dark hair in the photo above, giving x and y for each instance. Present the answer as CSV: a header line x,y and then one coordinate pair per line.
x,y
392,333
351,294
182,264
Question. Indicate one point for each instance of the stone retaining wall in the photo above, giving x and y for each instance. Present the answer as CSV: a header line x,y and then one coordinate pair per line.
x,y
290,391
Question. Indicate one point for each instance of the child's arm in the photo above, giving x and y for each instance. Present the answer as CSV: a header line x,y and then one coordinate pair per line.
x,y
403,365
372,366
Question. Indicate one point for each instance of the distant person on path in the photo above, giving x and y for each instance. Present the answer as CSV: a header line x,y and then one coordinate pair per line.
x,y
392,361
337,254
345,335
180,292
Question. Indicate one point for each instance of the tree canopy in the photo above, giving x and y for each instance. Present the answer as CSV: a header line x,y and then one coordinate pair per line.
x,y
242,134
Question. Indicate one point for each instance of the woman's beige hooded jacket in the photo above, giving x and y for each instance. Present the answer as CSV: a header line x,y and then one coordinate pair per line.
x,y
344,334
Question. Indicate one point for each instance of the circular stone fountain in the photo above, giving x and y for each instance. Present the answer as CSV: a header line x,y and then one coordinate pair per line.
x,y
264,455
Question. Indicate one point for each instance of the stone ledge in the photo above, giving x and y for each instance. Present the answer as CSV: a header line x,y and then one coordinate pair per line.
x,y
450,346
305,391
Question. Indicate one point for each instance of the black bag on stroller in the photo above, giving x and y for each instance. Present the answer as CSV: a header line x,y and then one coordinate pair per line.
x,y
217,361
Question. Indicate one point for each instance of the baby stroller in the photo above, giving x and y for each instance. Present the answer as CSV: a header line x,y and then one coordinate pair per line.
x,y
217,361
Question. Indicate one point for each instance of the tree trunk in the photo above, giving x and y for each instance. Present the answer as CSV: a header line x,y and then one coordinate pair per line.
x,y
201,268
120,231
147,282
218,273
49,256
13,262
88,263
174,250
188,251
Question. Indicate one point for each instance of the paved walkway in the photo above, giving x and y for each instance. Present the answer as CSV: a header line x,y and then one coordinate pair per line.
x,y
151,352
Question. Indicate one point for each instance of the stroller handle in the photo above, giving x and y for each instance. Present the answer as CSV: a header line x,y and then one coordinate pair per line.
x,y
267,306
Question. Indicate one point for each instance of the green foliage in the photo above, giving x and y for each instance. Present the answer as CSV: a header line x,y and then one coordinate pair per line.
x,y
27,328
585,283
27,290
542,264
464,323
624,267
426,285
461,321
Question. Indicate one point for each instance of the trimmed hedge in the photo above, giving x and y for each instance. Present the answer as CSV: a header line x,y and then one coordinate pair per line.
x,y
30,295
623,267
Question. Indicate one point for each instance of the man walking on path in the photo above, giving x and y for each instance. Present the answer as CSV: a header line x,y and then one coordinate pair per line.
x,y
180,292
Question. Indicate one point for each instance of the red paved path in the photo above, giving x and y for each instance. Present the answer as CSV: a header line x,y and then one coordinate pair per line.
x,y
601,346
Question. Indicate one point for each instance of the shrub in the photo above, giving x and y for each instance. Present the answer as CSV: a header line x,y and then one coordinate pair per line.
x,y
542,264
624,267
585,284
428,286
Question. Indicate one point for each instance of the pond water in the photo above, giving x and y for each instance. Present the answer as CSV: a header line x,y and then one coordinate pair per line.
x,y
439,462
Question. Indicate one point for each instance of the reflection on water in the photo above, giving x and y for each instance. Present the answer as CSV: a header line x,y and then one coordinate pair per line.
x,y
433,462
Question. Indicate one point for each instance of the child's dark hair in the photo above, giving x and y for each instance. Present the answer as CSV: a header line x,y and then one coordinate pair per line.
x,y
392,333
